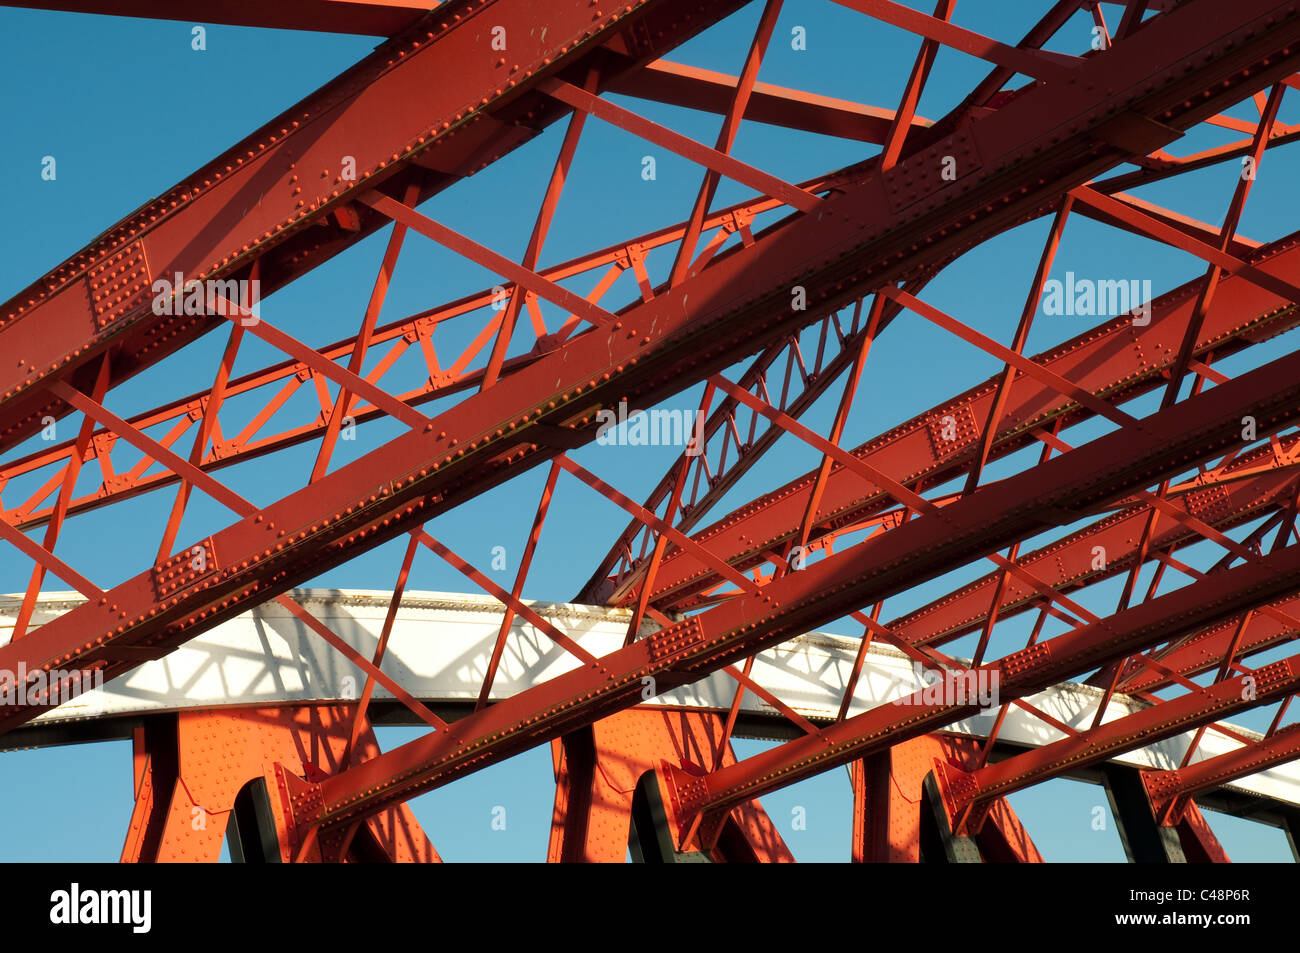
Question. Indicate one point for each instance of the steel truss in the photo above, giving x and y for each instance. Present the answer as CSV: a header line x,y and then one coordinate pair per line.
x,y
1160,470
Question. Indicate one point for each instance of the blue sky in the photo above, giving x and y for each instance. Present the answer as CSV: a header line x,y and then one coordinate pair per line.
x,y
127,108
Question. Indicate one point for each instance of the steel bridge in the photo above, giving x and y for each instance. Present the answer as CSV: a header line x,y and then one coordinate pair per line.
x,y
1153,456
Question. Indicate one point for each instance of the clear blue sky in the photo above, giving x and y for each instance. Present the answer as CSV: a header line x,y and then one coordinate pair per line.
x,y
127,108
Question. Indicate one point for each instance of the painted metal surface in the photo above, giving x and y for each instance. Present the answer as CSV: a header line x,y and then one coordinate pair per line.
x,y
212,638
441,642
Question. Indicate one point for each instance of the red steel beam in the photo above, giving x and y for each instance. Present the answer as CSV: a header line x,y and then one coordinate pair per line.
x,y
680,85
713,159
1101,361
1238,246
868,572
248,444
618,588
996,117
716,468
893,145
1206,650
970,792
1023,673
889,803
402,115
596,772
1168,787
878,200
1166,166
1040,64
1071,562
861,238
1037,37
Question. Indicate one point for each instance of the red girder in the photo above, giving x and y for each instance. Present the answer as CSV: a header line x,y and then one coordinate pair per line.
x,y
401,114
1241,247
1263,579
1072,562
1028,671
1116,361
888,800
971,791
1039,63
1206,650
868,572
865,235
1171,791
706,478
251,442
450,106
690,86
597,770
191,766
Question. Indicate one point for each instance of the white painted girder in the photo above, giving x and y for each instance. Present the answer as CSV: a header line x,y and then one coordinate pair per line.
x,y
441,643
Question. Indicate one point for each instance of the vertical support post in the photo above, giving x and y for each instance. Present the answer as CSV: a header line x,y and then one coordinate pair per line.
x,y
895,819
202,775
155,757
884,829
603,808
1145,840
574,757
